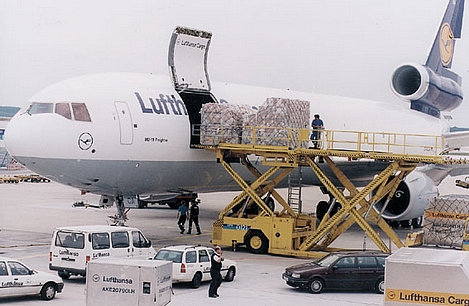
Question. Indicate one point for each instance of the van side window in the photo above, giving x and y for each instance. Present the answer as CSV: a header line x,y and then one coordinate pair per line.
x,y
139,241
70,240
203,256
120,239
100,241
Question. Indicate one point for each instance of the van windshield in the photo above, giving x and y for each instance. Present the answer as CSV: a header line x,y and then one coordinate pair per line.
x,y
70,240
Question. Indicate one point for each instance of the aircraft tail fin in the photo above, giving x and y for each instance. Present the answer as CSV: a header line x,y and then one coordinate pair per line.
x,y
440,58
434,88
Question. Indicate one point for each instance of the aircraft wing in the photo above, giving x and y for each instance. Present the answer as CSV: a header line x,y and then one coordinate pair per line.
x,y
437,172
456,140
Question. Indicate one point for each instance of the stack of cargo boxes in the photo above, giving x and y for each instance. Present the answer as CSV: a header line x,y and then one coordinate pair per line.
x,y
278,118
223,123
274,121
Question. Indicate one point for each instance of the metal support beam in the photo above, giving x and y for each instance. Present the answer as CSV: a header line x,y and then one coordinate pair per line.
x,y
329,228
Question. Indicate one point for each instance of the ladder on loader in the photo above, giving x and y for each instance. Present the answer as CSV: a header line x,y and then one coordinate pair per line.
x,y
294,190
290,232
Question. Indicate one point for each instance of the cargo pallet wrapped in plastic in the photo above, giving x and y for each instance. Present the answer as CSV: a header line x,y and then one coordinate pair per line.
x,y
445,218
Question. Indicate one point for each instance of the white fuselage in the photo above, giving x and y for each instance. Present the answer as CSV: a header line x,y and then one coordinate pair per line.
x,y
138,139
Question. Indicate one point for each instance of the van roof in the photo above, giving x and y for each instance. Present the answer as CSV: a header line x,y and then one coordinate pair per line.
x,y
94,228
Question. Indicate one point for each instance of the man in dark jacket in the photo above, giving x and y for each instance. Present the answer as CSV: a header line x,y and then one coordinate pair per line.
x,y
215,269
194,216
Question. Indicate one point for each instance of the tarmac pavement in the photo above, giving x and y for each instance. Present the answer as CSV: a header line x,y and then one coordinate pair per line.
x,y
29,212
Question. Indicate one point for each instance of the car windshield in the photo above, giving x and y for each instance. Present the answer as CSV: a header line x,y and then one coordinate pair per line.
x,y
327,260
169,255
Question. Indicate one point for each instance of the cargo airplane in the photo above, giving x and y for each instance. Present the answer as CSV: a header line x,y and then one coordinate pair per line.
x,y
126,135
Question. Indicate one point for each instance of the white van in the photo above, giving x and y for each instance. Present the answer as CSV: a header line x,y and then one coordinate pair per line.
x,y
72,247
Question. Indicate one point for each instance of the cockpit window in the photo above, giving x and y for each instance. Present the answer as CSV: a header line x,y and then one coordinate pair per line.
x,y
63,109
40,108
80,112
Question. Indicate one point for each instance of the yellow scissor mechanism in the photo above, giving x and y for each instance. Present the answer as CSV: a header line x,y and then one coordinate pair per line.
x,y
289,232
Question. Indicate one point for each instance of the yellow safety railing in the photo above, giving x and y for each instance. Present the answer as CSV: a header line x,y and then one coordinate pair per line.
x,y
357,141
395,143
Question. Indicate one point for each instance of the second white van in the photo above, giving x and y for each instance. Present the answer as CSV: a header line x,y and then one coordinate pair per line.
x,y
73,247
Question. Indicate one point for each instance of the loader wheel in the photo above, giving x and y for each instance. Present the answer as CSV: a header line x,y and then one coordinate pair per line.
x,y
256,242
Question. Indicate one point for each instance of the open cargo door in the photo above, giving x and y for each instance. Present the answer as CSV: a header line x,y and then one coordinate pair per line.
x,y
187,60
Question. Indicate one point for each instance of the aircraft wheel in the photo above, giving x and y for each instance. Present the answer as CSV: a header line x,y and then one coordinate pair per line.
x,y
321,209
417,222
270,203
336,208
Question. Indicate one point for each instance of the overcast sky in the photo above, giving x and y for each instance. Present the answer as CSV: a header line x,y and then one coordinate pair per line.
x,y
338,47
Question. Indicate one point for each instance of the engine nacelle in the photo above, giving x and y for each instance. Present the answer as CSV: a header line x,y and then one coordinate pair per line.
x,y
410,199
428,91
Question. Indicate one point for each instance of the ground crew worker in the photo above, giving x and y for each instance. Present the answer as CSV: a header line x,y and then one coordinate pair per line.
x,y
194,216
317,125
182,216
215,269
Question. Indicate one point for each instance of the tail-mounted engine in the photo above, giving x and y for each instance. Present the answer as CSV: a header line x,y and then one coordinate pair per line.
x,y
427,91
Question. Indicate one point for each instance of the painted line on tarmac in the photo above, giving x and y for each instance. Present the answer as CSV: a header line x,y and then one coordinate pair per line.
x,y
22,245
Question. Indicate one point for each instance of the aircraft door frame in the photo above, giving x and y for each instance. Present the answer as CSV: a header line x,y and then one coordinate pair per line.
x,y
187,59
125,123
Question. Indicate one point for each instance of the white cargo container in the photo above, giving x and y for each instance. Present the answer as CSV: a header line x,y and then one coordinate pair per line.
x,y
423,276
116,281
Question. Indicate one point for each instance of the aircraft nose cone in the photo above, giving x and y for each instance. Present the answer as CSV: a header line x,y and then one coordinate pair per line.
x,y
12,137
26,137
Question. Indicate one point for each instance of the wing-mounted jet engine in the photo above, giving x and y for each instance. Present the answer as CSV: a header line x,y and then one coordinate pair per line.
x,y
406,207
411,198
433,88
